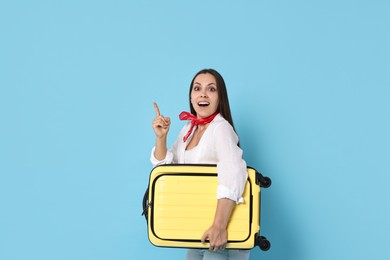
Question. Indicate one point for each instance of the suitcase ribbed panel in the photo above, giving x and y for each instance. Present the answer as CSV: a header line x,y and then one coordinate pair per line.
x,y
183,202
184,206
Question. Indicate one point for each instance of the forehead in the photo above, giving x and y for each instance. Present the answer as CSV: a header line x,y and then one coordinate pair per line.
x,y
205,79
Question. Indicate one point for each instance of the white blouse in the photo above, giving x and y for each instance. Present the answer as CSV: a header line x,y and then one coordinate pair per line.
x,y
218,145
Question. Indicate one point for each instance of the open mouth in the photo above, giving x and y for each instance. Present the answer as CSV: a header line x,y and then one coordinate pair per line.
x,y
203,104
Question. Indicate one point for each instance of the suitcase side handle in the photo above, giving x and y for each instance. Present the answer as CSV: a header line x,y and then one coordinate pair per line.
x,y
146,204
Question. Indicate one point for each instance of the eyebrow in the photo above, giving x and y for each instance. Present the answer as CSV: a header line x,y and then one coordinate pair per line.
x,y
207,84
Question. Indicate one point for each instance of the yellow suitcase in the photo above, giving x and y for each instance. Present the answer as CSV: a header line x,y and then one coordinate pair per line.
x,y
180,203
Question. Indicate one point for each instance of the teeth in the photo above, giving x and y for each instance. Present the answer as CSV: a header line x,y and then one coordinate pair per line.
x,y
203,103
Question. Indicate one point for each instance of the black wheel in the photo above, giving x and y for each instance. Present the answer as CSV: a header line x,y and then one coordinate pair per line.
x,y
265,182
263,243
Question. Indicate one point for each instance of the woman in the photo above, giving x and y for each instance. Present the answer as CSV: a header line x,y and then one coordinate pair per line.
x,y
209,138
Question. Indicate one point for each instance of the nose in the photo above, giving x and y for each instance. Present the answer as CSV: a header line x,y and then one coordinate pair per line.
x,y
203,94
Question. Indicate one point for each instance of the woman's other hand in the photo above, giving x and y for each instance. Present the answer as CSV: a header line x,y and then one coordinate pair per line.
x,y
217,236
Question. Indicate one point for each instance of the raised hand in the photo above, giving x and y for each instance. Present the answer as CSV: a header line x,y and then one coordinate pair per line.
x,y
160,124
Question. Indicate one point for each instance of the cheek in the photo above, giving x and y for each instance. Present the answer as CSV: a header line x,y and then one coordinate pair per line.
x,y
216,99
216,104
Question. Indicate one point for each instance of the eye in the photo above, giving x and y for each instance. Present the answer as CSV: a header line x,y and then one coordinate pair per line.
x,y
196,88
212,89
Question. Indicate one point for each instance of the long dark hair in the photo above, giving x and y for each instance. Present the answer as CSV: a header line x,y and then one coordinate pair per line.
x,y
223,106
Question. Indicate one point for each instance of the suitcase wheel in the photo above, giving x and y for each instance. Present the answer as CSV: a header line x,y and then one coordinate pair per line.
x,y
263,243
265,182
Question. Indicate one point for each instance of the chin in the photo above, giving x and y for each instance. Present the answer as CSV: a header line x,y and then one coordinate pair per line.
x,y
204,114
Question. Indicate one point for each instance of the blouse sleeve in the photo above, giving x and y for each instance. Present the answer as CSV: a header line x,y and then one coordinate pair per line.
x,y
171,156
167,160
232,169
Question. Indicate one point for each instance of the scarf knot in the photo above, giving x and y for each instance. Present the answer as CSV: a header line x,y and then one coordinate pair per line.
x,y
195,121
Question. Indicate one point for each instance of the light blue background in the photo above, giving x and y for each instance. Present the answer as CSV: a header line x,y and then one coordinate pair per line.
x,y
308,83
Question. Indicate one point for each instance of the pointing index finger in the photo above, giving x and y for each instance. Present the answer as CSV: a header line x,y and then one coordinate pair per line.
x,y
156,109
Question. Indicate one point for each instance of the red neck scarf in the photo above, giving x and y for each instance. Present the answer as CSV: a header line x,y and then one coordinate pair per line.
x,y
195,121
